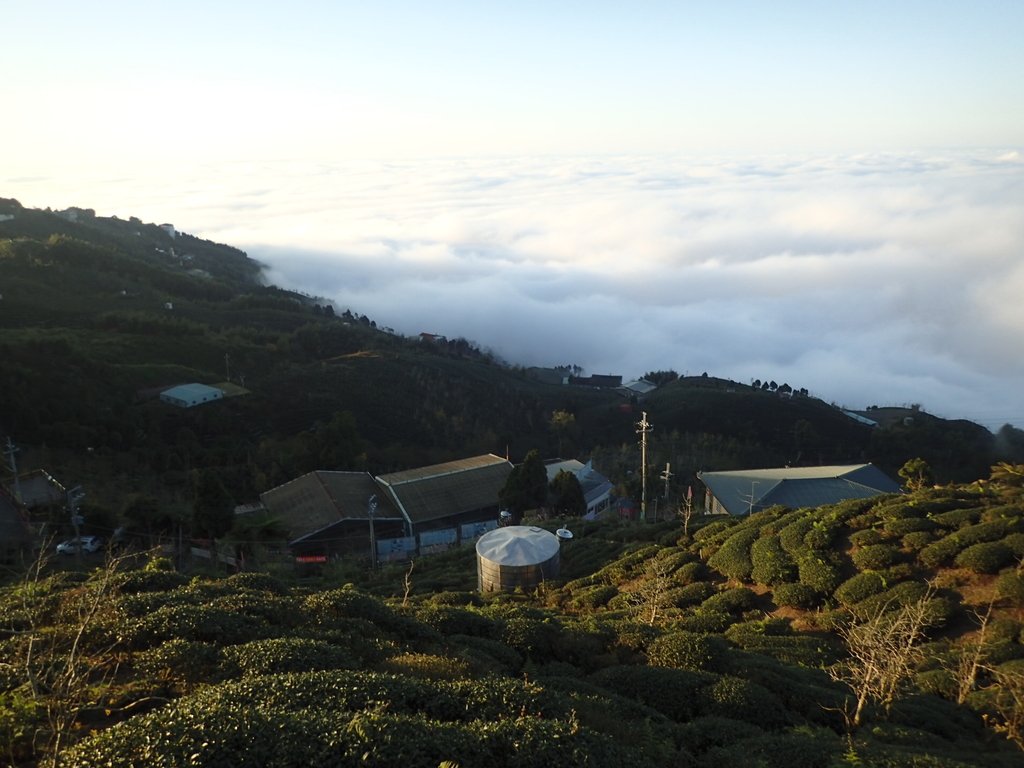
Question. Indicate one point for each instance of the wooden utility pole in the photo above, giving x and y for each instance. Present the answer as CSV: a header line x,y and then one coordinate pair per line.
x,y
9,450
372,508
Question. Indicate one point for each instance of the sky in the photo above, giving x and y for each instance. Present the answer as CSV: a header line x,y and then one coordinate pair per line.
x,y
824,194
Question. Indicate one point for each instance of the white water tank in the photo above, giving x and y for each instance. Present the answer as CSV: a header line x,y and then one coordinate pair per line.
x,y
516,556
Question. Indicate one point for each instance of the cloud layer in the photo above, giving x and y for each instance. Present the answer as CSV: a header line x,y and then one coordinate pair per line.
x,y
869,279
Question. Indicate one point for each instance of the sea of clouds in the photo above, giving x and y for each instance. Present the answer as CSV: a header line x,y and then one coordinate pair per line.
x,y
868,279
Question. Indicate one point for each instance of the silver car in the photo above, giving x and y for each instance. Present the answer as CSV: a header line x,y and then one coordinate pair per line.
x,y
81,544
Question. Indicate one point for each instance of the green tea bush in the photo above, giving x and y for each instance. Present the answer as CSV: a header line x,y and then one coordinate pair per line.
x,y
875,557
706,533
795,596
422,726
986,557
822,533
427,666
327,607
917,540
592,598
1004,629
991,531
939,611
1011,512
791,537
739,698
866,537
490,651
671,559
862,522
702,733
530,636
801,684
1010,587
360,638
733,558
903,526
746,633
205,623
939,682
633,635
687,650
457,599
134,582
690,573
818,573
257,582
691,594
792,749
735,600
185,662
672,692
859,587
274,611
706,621
283,654
940,552
771,564
1015,541
451,620
801,650
956,518
901,594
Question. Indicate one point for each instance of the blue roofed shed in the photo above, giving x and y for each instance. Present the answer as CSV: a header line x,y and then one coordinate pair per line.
x,y
191,395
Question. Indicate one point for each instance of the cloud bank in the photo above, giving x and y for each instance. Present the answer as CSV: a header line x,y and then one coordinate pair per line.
x,y
868,279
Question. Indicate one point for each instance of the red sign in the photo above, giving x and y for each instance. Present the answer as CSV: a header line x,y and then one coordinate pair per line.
x,y
311,558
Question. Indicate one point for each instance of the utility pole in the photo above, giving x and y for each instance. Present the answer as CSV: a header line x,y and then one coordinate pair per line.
x,y
666,475
644,429
9,450
371,509
75,495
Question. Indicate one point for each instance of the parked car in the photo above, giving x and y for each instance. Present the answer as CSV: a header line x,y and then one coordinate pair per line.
x,y
81,544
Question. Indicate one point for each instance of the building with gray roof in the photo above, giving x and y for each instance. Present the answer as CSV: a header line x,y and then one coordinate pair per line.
x,y
329,513
745,491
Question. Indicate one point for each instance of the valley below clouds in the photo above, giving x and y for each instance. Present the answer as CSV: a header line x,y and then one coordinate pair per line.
x,y
868,279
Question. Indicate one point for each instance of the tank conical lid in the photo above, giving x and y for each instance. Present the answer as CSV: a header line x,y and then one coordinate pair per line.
x,y
518,545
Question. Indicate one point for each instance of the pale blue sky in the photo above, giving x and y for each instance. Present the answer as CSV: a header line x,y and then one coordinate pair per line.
x,y
195,80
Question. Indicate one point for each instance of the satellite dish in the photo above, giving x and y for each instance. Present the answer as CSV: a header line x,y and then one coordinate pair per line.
x,y
564,534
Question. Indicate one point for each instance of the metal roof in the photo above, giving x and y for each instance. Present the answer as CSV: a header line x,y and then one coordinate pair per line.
x,y
323,498
452,488
194,391
320,499
744,491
